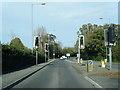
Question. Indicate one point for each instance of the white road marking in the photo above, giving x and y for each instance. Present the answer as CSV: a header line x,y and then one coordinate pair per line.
x,y
93,82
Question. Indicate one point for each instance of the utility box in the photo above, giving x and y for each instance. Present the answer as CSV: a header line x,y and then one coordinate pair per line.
x,y
89,65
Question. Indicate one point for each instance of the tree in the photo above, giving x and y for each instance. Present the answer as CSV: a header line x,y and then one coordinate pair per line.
x,y
16,42
52,38
94,44
71,50
95,26
42,34
90,27
84,28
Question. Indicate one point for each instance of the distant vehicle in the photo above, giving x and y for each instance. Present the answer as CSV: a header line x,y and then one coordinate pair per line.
x,y
68,55
63,57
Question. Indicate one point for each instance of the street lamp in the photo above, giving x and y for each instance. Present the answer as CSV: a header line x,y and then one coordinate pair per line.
x,y
107,19
43,3
106,46
110,52
32,27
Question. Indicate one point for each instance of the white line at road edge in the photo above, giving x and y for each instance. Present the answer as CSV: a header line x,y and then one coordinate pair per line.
x,y
93,82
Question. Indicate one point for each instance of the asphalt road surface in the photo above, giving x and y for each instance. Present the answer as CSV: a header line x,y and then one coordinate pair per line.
x,y
58,74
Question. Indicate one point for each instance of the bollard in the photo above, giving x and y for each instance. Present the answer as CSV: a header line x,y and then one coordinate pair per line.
x,y
89,65
81,61
103,63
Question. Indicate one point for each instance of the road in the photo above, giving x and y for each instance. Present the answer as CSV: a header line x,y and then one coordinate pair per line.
x,y
58,74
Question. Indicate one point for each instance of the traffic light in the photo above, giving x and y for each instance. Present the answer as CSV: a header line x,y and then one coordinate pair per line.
x,y
82,44
81,40
106,37
111,35
36,41
46,47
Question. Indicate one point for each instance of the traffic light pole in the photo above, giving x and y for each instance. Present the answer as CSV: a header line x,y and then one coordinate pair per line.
x,y
79,50
36,57
45,56
110,57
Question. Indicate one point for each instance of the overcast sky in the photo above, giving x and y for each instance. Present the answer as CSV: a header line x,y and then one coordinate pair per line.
x,y
60,18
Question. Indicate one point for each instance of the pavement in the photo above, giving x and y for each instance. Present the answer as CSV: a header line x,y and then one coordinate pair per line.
x,y
10,79
103,76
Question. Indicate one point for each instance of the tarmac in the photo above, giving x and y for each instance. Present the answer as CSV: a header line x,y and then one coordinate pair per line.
x,y
103,76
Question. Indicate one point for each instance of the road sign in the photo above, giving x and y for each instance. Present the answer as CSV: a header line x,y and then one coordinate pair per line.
x,y
90,62
89,65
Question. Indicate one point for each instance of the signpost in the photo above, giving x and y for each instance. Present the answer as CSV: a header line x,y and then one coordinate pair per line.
x,y
89,65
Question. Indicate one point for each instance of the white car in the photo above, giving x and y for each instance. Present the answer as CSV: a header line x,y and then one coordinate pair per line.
x,y
63,57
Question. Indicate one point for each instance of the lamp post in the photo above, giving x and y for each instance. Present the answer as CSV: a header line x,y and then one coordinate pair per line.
x,y
106,48
43,3
32,29
110,49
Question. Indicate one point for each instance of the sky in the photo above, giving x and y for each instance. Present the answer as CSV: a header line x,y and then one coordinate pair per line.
x,y
62,19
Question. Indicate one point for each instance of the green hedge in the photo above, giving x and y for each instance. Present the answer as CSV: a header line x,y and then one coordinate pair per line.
x,y
14,58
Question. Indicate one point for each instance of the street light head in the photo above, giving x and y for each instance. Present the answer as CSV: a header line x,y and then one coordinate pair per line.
x,y
101,18
43,3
